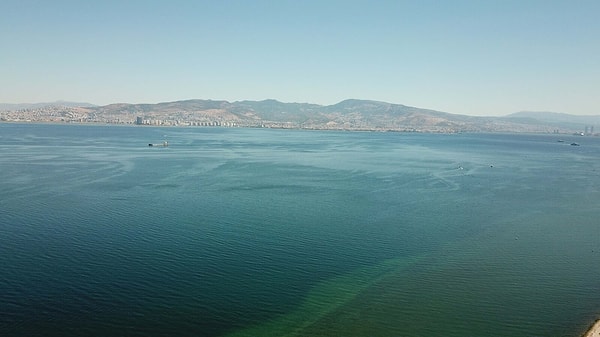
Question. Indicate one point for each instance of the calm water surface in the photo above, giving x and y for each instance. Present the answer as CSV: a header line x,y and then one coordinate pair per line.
x,y
252,232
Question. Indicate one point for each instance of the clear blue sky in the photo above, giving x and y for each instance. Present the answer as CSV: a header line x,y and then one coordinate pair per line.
x,y
469,57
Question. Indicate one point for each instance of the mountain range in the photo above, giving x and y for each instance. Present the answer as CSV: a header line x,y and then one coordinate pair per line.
x,y
351,114
21,106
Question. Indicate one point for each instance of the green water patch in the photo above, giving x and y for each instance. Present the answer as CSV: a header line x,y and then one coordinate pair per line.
x,y
326,298
524,276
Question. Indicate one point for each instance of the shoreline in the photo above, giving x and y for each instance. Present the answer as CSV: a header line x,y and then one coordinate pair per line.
x,y
594,330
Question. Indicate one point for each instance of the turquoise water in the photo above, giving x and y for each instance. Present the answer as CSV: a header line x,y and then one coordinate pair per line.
x,y
257,232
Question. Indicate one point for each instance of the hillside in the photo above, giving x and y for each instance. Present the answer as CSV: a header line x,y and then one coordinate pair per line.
x,y
23,106
351,114
555,119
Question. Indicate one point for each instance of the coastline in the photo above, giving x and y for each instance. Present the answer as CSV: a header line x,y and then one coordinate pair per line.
x,y
594,330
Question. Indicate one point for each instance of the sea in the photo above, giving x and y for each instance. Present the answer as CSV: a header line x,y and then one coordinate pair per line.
x,y
270,232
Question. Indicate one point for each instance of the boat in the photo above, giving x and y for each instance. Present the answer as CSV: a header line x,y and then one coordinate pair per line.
x,y
574,144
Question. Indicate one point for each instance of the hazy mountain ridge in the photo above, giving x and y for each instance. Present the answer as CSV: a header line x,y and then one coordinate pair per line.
x,y
555,118
350,114
21,106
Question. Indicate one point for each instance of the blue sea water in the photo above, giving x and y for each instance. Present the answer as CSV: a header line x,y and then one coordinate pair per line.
x,y
259,232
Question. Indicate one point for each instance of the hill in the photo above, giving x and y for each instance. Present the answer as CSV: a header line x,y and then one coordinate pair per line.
x,y
556,119
22,106
351,114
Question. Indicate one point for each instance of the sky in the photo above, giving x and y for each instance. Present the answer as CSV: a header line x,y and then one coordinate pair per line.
x,y
480,57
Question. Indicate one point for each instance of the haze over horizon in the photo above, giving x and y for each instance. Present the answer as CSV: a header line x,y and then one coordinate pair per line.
x,y
463,57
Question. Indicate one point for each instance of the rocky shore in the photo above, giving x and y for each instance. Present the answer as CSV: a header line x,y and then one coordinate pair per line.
x,y
594,330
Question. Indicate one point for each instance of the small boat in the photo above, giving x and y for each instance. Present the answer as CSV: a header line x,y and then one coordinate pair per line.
x,y
574,144
164,144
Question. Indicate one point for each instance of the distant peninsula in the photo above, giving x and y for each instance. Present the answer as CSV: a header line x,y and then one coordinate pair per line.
x,y
351,114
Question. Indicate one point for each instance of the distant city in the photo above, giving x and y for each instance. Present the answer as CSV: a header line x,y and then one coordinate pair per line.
x,y
352,115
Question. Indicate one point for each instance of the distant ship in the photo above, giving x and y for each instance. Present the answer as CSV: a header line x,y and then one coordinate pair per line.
x,y
574,144
164,144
